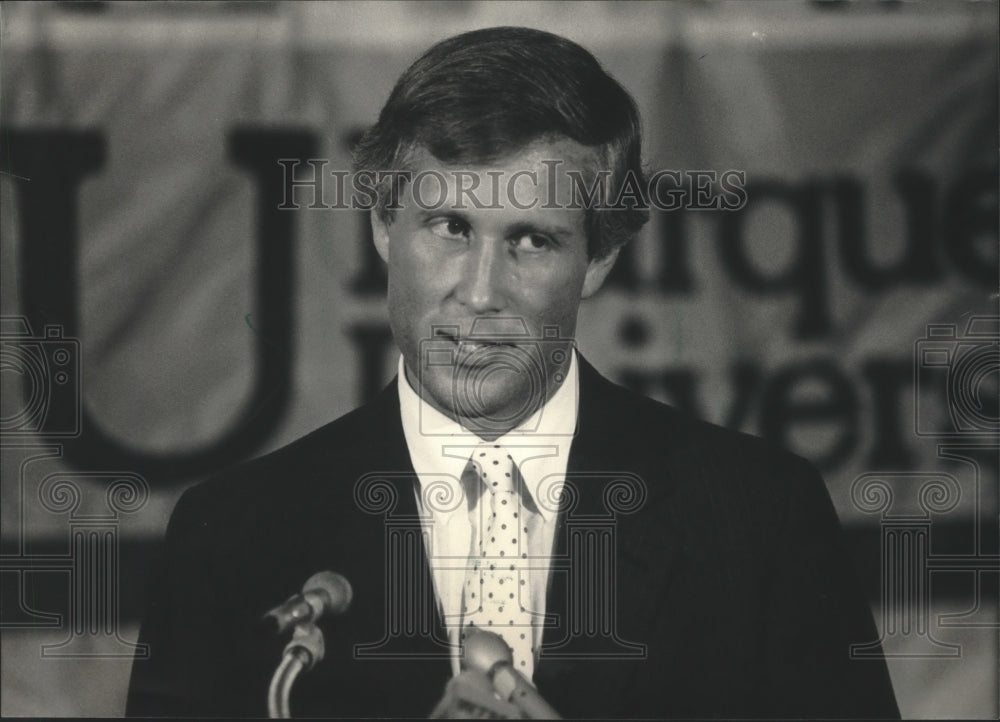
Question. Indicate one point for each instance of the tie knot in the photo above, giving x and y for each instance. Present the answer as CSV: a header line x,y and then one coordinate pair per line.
x,y
495,466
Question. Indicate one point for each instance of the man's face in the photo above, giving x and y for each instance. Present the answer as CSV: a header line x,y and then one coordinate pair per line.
x,y
482,299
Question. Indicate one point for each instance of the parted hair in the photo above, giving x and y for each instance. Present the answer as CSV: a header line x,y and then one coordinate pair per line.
x,y
486,94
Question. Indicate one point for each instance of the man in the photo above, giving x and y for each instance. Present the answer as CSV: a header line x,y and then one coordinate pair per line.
x,y
636,562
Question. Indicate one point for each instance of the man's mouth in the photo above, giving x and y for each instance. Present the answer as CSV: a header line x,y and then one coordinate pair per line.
x,y
484,348
472,342
467,343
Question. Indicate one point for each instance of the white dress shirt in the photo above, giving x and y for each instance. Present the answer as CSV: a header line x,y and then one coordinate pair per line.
x,y
440,449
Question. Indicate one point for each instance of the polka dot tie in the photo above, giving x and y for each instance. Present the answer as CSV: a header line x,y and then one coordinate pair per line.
x,y
496,596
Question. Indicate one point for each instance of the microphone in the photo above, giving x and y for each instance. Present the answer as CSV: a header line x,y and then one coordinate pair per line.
x,y
487,653
323,593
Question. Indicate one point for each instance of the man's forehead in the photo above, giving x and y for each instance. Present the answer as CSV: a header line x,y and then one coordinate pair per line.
x,y
542,174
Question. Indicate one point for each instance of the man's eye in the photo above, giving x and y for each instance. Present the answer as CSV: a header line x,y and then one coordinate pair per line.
x,y
533,243
449,227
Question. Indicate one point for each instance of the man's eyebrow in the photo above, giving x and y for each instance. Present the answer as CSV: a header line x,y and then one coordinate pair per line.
x,y
519,228
429,214
524,227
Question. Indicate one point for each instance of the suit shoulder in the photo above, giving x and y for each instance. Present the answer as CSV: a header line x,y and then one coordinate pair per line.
x,y
723,486
682,440
282,473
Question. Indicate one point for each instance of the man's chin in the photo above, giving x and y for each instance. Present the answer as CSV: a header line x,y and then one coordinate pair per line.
x,y
496,401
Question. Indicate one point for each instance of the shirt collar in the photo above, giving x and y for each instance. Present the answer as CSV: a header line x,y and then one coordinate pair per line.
x,y
440,447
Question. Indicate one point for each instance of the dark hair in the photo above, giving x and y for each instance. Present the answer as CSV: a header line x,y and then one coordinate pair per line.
x,y
482,95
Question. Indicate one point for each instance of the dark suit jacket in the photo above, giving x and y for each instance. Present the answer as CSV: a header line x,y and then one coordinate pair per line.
x,y
698,572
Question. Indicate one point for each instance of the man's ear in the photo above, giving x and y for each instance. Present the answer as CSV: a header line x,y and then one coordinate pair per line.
x,y
597,271
380,233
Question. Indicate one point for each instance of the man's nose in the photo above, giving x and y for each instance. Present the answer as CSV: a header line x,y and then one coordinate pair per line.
x,y
482,288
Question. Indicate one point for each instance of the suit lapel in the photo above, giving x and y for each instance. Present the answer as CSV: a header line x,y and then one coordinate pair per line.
x,y
384,510
608,561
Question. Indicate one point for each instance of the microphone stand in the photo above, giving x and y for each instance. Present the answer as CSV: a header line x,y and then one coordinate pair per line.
x,y
302,653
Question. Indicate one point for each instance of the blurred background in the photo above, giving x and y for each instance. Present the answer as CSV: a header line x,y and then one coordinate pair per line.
x,y
164,318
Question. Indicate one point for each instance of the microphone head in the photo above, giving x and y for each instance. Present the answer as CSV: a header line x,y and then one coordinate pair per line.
x,y
484,650
334,586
